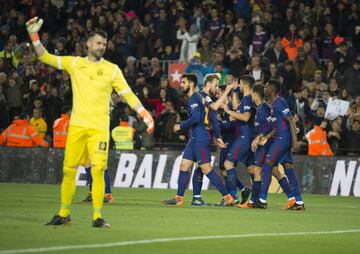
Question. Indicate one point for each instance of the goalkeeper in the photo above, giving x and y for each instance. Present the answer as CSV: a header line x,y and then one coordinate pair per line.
x,y
93,79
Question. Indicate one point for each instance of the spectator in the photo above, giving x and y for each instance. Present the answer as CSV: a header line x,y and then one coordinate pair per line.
x,y
236,61
331,72
328,41
130,71
189,41
13,95
291,42
353,139
242,31
351,79
20,133
140,127
123,135
206,51
317,143
276,53
255,70
341,57
258,41
317,86
38,123
153,77
334,137
196,67
216,26
304,65
169,135
288,78
4,117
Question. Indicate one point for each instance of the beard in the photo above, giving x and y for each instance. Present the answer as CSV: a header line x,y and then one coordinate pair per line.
x,y
185,90
98,54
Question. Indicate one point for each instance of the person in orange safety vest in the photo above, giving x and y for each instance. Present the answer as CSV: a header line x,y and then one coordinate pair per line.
x,y
20,133
61,128
316,138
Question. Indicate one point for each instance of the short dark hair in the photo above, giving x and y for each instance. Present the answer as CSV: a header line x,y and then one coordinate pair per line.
x,y
99,32
249,80
191,77
259,90
65,109
274,84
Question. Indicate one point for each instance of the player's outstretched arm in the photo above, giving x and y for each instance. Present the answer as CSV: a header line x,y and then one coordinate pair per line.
x,y
33,27
239,116
122,88
216,105
62,63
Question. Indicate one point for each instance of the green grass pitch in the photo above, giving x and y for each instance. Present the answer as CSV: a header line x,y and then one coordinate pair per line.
x,y
139,215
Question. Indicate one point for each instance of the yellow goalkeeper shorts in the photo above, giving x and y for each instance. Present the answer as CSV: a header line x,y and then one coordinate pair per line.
x,y
85,146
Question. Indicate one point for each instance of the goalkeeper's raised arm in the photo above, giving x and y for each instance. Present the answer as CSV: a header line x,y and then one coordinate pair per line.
x,y
101,77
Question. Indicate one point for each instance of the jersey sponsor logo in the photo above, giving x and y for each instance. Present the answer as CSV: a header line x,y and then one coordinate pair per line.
x,y
192,106
102,146
269,119
247,107
273,119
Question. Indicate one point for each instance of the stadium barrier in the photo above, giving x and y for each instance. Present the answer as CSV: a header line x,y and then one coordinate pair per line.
x,y
159,169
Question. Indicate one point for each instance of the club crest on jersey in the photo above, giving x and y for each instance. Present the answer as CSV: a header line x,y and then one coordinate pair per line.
x,y
100,72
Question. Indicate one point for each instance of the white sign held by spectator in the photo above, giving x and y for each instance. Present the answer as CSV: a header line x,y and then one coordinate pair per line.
x,y
336,108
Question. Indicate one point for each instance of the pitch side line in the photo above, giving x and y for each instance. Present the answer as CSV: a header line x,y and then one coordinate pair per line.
x,y
166,240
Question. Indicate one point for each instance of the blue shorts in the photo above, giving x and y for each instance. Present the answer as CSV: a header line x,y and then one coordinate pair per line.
x,y
280,151
197,151
240,150
250,161
261,152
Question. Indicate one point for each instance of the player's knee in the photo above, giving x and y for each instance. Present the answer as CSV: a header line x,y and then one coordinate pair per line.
x,y
277,173
257,174
97,172
251,169
206,168
69,171
228,165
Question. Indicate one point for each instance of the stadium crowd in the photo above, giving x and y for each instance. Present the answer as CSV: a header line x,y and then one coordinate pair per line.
x,y
311,47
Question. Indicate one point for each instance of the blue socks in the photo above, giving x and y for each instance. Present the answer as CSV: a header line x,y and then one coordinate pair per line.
x,y
232,182
255,191
239,184
267,173
197,182
88,177
290,173
216,181
182,183
106,177
286,187
107,182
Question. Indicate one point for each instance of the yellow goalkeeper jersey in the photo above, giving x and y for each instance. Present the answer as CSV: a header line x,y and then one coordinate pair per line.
x,y
92,84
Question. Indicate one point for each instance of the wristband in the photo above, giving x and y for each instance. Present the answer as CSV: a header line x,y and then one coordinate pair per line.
x,y
34,37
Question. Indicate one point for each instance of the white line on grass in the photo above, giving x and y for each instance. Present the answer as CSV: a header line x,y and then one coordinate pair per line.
x,y
166,240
